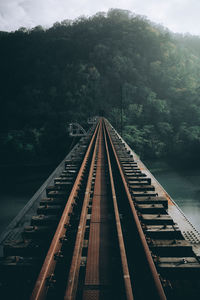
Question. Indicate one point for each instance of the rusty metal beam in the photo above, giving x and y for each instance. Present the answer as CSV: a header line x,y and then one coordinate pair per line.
x,y
47,271
150,263
71,289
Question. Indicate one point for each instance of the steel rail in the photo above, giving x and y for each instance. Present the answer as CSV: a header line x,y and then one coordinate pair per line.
x,y
125,270
47,270
156,280
71,289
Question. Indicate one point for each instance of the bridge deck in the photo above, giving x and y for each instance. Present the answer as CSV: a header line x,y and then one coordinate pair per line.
x,y
101,227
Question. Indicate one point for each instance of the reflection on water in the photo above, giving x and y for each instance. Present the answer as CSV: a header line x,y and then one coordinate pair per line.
x,y
183,185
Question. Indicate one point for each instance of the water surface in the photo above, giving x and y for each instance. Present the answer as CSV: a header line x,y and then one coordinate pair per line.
x,y
17,187
182,184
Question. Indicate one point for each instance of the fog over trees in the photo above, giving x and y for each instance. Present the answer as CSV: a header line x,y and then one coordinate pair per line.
x,y
99,65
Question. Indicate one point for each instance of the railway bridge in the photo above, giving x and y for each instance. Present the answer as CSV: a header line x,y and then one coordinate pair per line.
x,y
100,227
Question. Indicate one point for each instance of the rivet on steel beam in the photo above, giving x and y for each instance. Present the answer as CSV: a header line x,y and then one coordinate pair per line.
x,y
155,258
184,261
149,241
75,200
50,281
67,225
166,283
144,227
58,256
63,239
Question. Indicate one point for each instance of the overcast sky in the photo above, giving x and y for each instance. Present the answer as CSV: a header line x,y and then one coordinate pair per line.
x,y
178,15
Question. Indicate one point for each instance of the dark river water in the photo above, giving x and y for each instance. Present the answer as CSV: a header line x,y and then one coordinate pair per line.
x,y
183,185
17,187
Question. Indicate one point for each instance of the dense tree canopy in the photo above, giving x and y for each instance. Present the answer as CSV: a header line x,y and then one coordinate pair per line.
x,y
106,64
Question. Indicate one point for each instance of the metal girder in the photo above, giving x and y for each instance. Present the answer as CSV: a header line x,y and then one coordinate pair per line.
x,y
92,120
75,129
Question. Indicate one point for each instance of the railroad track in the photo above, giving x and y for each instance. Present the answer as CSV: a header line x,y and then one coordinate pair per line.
x,y
102,232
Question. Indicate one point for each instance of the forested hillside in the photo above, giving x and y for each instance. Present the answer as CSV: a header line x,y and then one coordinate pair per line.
x,y
93,66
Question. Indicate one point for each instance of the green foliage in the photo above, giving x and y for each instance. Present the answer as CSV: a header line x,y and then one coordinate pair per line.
x,y
106,64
